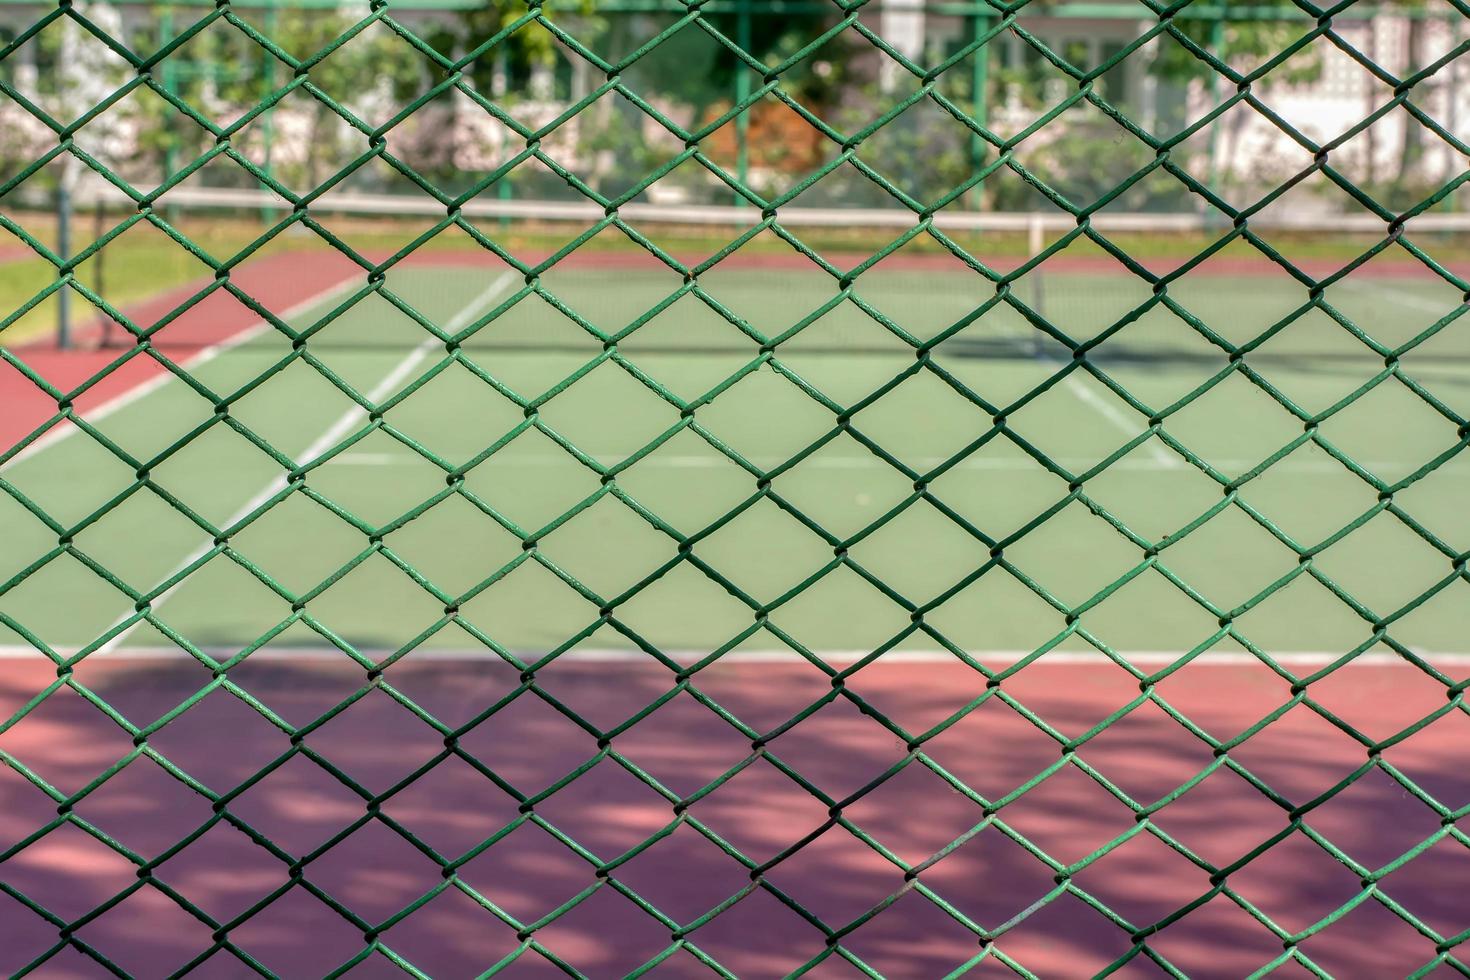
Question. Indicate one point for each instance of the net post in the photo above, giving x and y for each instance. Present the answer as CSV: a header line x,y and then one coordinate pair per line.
x,y
63,249
1035,242
1035,234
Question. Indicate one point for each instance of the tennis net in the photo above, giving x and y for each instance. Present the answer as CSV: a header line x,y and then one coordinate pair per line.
x,y
1124,288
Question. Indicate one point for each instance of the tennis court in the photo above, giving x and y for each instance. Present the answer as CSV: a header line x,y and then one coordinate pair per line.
x,y
624,613
738,488
537,476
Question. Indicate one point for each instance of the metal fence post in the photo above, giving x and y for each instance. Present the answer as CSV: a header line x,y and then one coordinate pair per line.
x,y
268,85
979,94
1217,45
63,249
743,35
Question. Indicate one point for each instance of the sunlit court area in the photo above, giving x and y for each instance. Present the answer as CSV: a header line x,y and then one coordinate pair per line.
x,y
855,490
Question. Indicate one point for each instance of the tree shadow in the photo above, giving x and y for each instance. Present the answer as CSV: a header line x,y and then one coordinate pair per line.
x,y
375,765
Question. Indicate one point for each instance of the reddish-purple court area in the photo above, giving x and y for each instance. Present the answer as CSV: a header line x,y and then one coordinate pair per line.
x,y
830,835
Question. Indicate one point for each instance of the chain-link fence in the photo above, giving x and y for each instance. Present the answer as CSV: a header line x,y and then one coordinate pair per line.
x,y
588,458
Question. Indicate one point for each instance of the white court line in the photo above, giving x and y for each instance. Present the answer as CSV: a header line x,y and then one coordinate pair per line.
x,y
713,462
1142,658
1125,424
1399,296
335,433
62,432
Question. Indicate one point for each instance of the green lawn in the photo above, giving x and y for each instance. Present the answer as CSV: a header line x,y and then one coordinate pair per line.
x,y
926,568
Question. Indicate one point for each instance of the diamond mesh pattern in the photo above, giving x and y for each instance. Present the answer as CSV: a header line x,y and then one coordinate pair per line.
x,y
296,76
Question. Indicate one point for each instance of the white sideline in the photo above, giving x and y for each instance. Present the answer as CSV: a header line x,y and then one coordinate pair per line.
x,y
1121,422
1167,460
1142,658
713,461
1164,459
334,434
258,328
1399,295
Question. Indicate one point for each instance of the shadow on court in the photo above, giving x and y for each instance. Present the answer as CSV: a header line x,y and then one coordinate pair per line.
x,y
451,807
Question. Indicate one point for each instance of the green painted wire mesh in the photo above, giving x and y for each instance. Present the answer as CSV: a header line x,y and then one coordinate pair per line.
x,y
295,75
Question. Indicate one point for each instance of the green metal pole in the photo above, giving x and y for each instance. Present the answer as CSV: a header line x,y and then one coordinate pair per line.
x,y
268,85
63,249
170,84
743,33
503,189
1452,90
1217,46
168,71
99,268
979,95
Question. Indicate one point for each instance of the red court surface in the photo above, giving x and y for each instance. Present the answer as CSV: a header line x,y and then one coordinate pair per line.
x,y
452,807
280,284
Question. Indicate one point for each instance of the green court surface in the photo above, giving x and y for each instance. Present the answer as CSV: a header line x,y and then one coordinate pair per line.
x,y
687,493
